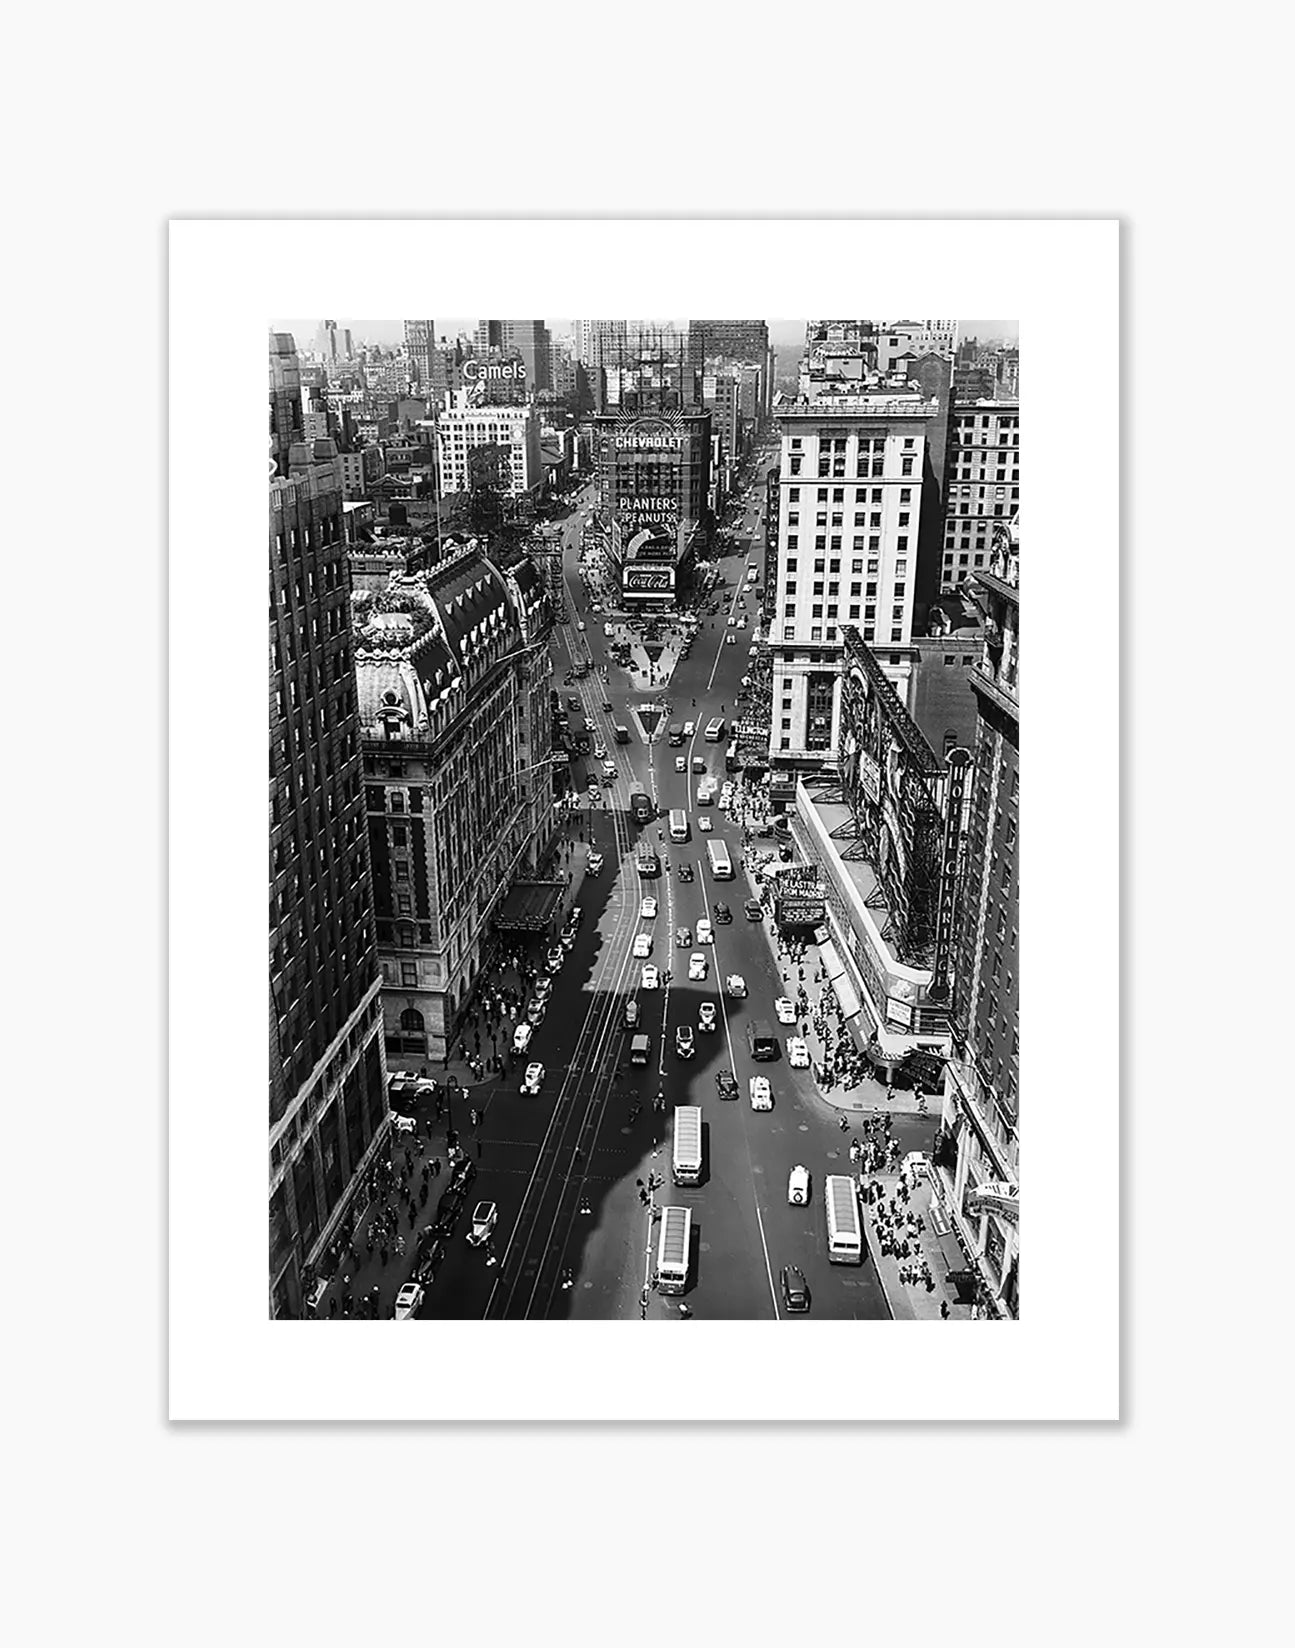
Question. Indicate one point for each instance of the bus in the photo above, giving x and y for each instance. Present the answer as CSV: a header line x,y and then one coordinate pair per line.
x,y
641,808
678,824
673,1249
686,1164
715,730
721,865
844,1231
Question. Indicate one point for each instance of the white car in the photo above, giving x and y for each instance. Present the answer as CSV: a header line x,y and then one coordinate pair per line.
x,y
594,863
651,979
706,1019
522,1038
642,946
797,1053
681,763
735,985
761,1093
798,1186
704,824
532,1079
683,1041
689,728
484,1215
785,1008
543,989
408,1300
705,932
556,956
696,966
580,624
732,623
647,909
731,640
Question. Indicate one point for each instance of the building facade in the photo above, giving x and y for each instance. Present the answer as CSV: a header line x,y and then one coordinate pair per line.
x,y
982,484
654,487
849,515
514,430
978,1147
328,1108
452,676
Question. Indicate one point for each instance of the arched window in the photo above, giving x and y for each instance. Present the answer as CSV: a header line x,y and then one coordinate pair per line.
x,y
411,1020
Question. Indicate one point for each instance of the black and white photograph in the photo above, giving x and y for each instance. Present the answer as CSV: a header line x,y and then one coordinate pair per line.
x,y
644,817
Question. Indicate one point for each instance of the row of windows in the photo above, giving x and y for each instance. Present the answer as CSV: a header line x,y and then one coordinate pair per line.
x,y
816,633
859,495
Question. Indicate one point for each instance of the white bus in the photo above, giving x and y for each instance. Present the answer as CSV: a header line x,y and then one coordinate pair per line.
x,y
672,1249
715,730
686,1165
844,1229
721,865
678,824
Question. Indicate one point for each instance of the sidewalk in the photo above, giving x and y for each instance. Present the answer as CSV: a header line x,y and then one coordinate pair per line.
x,y
906,1293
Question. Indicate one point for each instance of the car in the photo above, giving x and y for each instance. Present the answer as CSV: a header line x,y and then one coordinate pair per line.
x,y
463,1175
785,1008
599,750
647,907
699,763
761,1093
522,1038
535,1011
685,872
753,909
705,932
797,1053
726,1082
681,763
594,863
575,916
683,1041
567,937
556,956
795,1290
735,985
650,979
484,1216
798,1186
683,937
580,623
689,728
704,824
631,1015
723,914
532,1079
408,1300
573,703
649,864
696,967
642,946
732,624
731,640
429,1261
543,989
447,1215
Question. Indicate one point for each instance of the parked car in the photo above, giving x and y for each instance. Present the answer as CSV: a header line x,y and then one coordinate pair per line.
x,y
533,1078
798,1186
522,1038
447,1215
753,909
535,1012
543,989
594,863
631,1015
797,1053
463,1175
785,1008
689,730
761,1093
683,1041
706,1019
408,1300
556,956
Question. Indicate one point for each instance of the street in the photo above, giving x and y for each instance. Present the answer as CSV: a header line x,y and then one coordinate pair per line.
x,y
564,1167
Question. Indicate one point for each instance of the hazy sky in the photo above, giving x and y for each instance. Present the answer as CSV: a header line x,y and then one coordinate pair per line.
x,y
783,334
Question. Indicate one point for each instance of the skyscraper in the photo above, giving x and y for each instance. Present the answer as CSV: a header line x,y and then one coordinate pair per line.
x,y
526,339
420,346
328,1109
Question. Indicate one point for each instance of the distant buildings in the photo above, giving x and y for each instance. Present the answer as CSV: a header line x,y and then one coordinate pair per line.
x,y
978,1149
452,673
328,1109
735,340
525,340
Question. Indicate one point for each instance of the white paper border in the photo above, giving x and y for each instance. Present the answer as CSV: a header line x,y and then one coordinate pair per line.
x,y
1061,1360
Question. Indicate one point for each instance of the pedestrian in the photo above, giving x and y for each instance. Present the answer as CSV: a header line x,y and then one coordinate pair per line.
x,y
944,1310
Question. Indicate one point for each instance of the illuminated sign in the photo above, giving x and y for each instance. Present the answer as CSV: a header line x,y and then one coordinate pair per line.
x,y
648,580
659,434
476,371
946,914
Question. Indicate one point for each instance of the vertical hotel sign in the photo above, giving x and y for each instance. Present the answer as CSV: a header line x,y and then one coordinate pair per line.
x,y
946,913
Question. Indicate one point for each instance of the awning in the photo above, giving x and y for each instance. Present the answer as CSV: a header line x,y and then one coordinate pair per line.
x,y
832,961
844,992
529,907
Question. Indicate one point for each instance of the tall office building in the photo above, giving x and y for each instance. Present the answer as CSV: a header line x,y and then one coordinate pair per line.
x,y
328,1109
527,340
734,340
420,347
978,1146
287,418
512,431
849,515
982,484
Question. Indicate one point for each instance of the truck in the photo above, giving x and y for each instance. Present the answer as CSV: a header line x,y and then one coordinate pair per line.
x,y
686,1163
